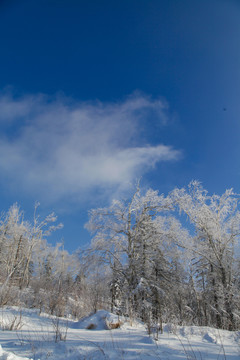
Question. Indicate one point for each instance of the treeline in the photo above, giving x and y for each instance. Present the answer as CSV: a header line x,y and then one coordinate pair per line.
x,y
172,258
32,272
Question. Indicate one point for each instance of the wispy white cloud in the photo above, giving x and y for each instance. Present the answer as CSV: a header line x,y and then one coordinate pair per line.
x,y
62,148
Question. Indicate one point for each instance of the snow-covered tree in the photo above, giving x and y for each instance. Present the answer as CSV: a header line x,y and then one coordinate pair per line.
x,y
134,238
216,221
13,244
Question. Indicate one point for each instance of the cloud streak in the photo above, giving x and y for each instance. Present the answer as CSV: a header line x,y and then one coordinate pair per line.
x,y
62,148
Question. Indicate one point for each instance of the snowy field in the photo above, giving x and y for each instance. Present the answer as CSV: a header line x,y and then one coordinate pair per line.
x,y
44,337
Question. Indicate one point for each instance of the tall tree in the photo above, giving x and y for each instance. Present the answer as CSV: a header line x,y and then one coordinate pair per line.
x,y
216,220
132,237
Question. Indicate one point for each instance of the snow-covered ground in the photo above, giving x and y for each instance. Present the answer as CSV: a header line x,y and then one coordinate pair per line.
x,y
38,337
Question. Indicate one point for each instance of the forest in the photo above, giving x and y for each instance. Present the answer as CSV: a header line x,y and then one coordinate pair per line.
x,y
171,258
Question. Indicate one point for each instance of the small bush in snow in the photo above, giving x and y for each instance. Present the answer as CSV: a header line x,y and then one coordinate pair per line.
x,y
12,323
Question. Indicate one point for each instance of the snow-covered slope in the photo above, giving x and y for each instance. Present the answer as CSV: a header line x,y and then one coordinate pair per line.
x,y
38,337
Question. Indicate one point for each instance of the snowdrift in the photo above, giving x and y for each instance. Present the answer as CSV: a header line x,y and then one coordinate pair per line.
x,y
38,338
101,320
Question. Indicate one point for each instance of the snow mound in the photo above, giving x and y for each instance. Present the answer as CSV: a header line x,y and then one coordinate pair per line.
x,y
206,333
208,337
101,320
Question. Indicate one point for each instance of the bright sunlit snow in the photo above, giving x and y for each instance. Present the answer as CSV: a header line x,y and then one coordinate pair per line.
x,y
39,337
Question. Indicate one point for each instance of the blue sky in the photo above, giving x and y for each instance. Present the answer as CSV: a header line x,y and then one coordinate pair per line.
x,y
96,94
